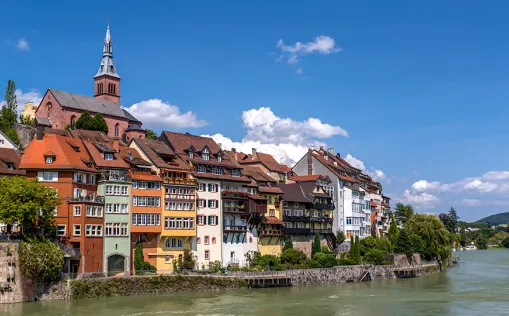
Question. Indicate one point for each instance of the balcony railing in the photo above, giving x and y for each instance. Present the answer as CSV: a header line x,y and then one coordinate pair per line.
x,y
321,230
235,228
321,219
303,231
257,209
271,233
234,210
295,218
180,197
70,252
233,194
183,181
324,206
114,178
89,198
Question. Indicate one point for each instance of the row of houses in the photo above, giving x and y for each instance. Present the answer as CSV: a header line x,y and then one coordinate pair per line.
x,y
120,190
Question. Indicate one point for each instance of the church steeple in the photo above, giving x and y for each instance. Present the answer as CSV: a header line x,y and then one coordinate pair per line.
x,y
107,81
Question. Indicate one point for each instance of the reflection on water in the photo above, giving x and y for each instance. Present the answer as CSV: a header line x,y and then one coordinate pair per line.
x,y
479,285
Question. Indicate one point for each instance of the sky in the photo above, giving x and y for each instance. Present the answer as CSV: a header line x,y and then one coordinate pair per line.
x,y
416,93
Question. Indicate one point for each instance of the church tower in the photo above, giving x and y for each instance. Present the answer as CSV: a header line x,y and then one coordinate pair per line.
x,y
107,81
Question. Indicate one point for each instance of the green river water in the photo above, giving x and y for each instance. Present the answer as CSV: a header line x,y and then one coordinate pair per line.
x,y
478,285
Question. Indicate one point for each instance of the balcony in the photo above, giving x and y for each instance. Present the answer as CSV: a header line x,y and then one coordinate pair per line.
x,y
321,230
69,252
324,206
114,177
322,219
271,233
233,194
301,231
235,228
183,181
234,210
295,218
257,209
88,199
180,197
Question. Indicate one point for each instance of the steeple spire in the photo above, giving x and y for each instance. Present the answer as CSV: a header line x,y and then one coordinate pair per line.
x,y
107,66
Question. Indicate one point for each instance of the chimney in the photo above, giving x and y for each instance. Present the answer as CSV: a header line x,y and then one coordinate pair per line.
x,y
310,163
234,150
115,145
312,147
220,146
39,133
338,155
253,153
321,148
331,151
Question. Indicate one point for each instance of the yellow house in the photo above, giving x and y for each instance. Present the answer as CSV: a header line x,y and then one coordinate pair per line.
x,y
178,220
29,110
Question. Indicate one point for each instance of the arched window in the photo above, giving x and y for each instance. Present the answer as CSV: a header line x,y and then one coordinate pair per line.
x,y
114,89
117,132
73,121
109,88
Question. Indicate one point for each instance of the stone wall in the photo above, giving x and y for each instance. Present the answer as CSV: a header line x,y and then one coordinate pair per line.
x,y
305,242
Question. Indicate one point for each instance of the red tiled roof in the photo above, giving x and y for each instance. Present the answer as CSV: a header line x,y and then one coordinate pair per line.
x,y
182,142
161,155
117,162
274,190
272,220
312,177
265,159
257,174
10,156
145,176
223,177
62,147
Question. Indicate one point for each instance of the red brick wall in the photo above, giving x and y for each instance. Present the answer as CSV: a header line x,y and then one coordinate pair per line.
x,y
134,134
105,96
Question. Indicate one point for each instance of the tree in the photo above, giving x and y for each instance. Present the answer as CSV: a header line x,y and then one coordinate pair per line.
x,y
316,247
393,232
403,212
288,243
28,203
85,121
9,112
340,237
481,242
505,243
463,236
325,260
138,259
403,244
293,256
150,134
433,234
375,256
498,238
417,244
453,220
384,244
26,120
357,250
367,244
99,124
41,260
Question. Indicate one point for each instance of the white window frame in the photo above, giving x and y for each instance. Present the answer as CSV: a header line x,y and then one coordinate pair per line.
x,y
76,230
77,210
60,232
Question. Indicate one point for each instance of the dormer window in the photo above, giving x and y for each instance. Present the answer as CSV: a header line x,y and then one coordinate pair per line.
x,y
10,166
191,154
205,154
108,156
219,157
201,169
49,160
236,172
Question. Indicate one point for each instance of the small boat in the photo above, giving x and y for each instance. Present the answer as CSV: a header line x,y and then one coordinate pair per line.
x,y
471,247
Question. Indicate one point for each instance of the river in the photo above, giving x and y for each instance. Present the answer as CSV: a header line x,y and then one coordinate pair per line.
x,y
478,285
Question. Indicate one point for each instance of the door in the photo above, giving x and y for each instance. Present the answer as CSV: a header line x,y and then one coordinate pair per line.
x,y
116,265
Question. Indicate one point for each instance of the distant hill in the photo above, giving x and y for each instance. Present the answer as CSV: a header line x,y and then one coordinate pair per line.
x,y
497,219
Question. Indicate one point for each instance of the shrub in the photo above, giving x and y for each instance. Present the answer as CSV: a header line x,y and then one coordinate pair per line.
x,y
505,243
368,244
384,244
375,256
269,262
288,243
325,260
189,260
325,250
346,262
215,265
315,247
313,264
293,256
41,260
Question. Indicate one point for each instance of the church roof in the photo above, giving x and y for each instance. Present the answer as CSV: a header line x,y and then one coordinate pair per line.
x,y
130,116
107,67
82,102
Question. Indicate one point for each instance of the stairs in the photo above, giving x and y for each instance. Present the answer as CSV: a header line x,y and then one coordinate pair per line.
x,y
332,242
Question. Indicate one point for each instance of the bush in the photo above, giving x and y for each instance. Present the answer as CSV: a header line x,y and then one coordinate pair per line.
x,y
269,262
293,256
41,260
384,244
505,243
368,244
325,260
325,250
313,264
375,256
288,243
417,244
346,262
315,246
189,260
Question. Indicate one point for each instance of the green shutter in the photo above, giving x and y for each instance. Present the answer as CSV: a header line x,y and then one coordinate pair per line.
x,y
209,220
217,220
209,187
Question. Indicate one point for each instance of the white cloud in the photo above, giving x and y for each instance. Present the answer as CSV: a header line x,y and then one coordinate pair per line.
x,y
354,162
22,44
299,71
155,112
471,202
420,200
423,185
264,126
376,174
482,187
32,96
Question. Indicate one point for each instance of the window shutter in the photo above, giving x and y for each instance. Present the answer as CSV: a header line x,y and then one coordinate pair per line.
x,y
84,178
135,201
216,186
209,187
210,203
217,220
209,220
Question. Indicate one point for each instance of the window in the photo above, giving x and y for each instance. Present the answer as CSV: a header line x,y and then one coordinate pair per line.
x,y
199,220
117,130
173,243
217,170
191,154
108,156
219,157
296,204
213,240
205,154
92,179
206,240
115,229
198,240
207,254
94,211
272,213
77,230
213,187
47,176
212,203
236,172
60,230
124,190
287,212
178,223
201,169
49,160
349,221
285,204
116,190
109,189
201,187
149,201
212,220
77,210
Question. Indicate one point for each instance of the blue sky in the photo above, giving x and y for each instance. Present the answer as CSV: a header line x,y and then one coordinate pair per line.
x,y
420,88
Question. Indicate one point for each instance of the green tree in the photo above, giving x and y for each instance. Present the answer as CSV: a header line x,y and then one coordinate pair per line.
x,y
357,250
316,247
85,121
393,231
340,237
189,261
325,260
138,259
403,244
481,242
41,260
150,134
99,123
9,112
417,244
384,244
497,238
26,120
288,243
293,256
433,233
375,256
453,220
367,244
403,212
463,236
28,203
505,243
